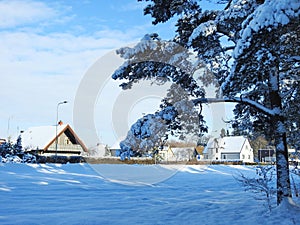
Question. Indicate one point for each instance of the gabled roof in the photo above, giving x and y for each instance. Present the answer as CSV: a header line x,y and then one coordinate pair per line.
x,y
43,136
212,143
232,144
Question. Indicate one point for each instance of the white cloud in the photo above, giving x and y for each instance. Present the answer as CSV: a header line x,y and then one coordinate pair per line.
x,y
38,70
20,12
132,6
41,65
32,63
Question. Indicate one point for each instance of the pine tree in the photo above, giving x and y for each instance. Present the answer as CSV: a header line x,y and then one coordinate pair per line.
x,y
6,149
257,66
188,121
17,147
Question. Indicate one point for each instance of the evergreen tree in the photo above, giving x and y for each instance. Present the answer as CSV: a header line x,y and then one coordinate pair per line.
x,y
257,66
188,121
177,117
6,149
10,152
17,147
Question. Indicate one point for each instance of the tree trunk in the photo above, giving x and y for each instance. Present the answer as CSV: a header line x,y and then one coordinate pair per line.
x,y
277,120
282,162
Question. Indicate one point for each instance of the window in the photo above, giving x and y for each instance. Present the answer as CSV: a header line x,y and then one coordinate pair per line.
x,y
224,156
216,150
248,156
243,156
67,141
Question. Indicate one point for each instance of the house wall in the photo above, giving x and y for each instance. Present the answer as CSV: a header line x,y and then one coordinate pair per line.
x,y
167,154
230,156
213,153
176,154
65,144
183,154
246,154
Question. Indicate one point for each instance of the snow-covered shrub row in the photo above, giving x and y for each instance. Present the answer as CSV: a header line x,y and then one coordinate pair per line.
x,y
14,153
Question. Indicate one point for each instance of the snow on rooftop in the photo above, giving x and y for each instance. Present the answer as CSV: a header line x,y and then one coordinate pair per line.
x,y
233,144
40,137
228,144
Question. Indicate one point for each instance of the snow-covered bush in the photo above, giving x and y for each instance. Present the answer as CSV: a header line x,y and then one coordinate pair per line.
x,y
262,185
14,153
6,149
29,158
11,159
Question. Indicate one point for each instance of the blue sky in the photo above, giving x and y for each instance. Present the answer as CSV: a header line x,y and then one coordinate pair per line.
x,y
48,46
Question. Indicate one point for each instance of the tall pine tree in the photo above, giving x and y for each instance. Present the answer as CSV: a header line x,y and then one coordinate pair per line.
x,y
251,48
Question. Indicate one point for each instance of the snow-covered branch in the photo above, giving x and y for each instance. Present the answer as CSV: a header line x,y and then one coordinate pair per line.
x,y
256,105
263,183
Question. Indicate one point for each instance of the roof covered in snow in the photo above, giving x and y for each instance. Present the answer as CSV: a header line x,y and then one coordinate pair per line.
x,y
230,144
43,136
233,144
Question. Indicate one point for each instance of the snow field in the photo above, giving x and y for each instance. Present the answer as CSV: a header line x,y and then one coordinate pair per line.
x,y
85,194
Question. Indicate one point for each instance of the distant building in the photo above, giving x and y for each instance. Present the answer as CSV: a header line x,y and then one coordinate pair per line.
x,y
115,149
98,151
233,148
169,154
166,154
293,155
266,155
269,154
42,140
2,140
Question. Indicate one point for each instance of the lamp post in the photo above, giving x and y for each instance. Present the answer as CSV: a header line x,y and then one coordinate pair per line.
x,y
56,139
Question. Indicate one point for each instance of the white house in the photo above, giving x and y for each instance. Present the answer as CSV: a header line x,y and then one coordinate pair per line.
x,y
229,149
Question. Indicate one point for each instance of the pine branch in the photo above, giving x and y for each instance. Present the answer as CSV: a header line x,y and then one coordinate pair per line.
x,y
254,104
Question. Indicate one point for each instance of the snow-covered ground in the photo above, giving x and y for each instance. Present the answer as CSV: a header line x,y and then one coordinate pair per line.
x,y
131,194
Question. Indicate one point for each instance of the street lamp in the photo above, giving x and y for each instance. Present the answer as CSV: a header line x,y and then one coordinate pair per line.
x,y
56,139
